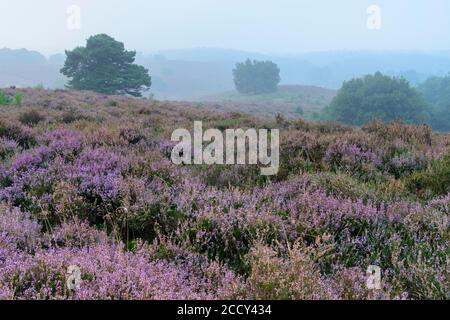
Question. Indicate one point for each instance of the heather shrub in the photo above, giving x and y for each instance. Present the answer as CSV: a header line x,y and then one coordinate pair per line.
x,y
75,233
25,174
98,174
391,190
67,203
106,274
103,137
421,268
112,103
405,164
224,234
31,117
441,203
292,278
308,145
106,268
349,156
342,185
17,132
350,284
72,115
398,130
218,278
231,175
229,241
63,142
396,248
7,148
305,150
98,190
22,231
159,218
435,181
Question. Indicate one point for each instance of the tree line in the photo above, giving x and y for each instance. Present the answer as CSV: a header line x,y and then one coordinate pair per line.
x,y
104,66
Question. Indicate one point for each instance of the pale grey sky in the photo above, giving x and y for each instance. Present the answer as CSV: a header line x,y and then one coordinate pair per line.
x,y
270,26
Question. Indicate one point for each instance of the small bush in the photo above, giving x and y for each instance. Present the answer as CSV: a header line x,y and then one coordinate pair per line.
x,y
435,180
31,118
71,116
112,103
18,99
4,99
299,110
274,278
7,148
14,130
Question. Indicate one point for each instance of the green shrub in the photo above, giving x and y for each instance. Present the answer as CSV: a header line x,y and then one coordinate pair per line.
x,y
435,180
362,100
4,99
18,99
256,77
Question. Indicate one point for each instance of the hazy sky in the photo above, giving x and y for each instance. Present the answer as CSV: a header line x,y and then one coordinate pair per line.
x,y
270,26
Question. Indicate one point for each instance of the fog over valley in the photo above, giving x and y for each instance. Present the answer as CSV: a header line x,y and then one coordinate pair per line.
x,y
190,47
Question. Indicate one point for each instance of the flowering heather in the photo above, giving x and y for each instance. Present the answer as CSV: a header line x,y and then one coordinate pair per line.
x,y
64,142
93,186
109,272
345,153
18,228
98,173
7,148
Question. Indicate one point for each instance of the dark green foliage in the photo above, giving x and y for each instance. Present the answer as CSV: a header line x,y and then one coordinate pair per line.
x,y
437,93
377,97
433,182
72,115
436,90
105,66
31,117
256,77
18,99
4,99
440,119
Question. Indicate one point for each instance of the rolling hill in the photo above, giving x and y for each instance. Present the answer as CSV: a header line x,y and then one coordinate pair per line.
x,y
292,101
188,73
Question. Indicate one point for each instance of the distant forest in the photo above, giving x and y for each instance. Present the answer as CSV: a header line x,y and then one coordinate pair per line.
x,y
193,73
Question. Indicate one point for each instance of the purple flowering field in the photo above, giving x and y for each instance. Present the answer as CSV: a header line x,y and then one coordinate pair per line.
x,y
87,180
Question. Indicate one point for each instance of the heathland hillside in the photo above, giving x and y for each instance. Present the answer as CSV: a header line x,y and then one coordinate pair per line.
x,y
86,180
292,101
